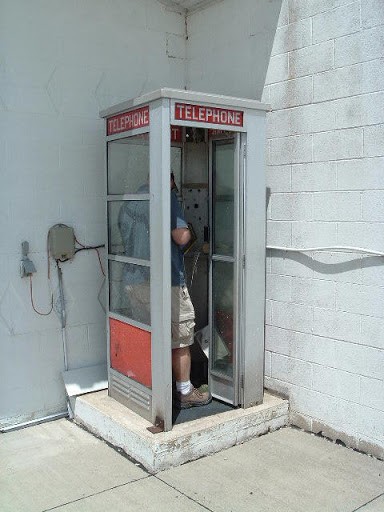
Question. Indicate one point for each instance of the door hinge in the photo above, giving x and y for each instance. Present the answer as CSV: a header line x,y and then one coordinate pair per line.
x,y
241,381
243,262
245,151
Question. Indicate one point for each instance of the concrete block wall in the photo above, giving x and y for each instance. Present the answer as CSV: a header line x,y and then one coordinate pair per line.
x,y
60,63
325,315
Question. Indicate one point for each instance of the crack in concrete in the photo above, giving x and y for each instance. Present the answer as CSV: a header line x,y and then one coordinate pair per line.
x,y
362,507
183,494
95,494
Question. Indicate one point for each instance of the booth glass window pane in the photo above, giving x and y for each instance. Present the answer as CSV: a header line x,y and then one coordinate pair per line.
x,y
222,305
223,198
128,165
129,291
128,228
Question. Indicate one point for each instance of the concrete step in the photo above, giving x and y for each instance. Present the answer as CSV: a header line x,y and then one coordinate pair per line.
x,y
113,422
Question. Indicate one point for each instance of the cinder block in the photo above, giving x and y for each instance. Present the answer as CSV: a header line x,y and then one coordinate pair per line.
x,y
374,142
373,206
337,325
336,383
292,37
359,47
266,96
372,393
299,9
279,233
291,264
372,272
360,110
289,150
367,235
293,371
370,446
310,60
372,13
337,266
336,23
301,421
355,298
337,206
301,120
268,312
284,14
359,359
362,174
334,433
371,423
291,93
291,206
277,69
313,292
313,234
299,345
314,177
338,145
278,178
349,81
278,288
267,363
297,317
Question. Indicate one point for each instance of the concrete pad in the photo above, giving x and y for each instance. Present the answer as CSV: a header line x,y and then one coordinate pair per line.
x,y
53,463
123,428
285,471
149,495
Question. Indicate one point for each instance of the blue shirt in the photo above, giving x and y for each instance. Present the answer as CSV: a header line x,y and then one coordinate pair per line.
x,y
177,256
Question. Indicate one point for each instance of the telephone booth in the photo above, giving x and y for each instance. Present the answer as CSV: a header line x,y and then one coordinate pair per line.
x,y
215,147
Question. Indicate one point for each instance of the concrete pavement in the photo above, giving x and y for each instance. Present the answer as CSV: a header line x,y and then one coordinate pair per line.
x,y
58,466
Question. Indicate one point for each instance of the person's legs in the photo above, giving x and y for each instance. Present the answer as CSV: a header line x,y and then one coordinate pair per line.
x,y
183,325
181,364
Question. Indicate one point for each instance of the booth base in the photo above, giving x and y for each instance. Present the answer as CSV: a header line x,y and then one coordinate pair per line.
x,y
107,418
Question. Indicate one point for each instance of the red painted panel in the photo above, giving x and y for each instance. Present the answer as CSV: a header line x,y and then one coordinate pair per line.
x,y
131,351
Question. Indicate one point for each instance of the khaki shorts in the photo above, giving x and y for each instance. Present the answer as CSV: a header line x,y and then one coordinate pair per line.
x,y
182,318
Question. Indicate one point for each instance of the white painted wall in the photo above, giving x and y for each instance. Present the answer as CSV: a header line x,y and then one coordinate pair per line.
x,y
325,315
60,63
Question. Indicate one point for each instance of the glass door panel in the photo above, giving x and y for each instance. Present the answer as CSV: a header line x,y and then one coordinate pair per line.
x,y
222,303
224,266
223,198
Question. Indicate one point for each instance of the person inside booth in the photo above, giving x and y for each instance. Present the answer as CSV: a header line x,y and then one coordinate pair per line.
x,y
133,223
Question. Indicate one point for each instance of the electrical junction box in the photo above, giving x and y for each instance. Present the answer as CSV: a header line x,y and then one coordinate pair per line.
x,y
61,242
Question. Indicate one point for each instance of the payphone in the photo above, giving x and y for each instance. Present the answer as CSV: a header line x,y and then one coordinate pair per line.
x,y
215,146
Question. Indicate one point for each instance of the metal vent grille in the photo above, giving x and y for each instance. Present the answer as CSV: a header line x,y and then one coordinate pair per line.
x,y
129,392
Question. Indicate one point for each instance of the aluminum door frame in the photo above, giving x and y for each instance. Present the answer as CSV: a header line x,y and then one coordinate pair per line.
x,y
160,247
254,243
